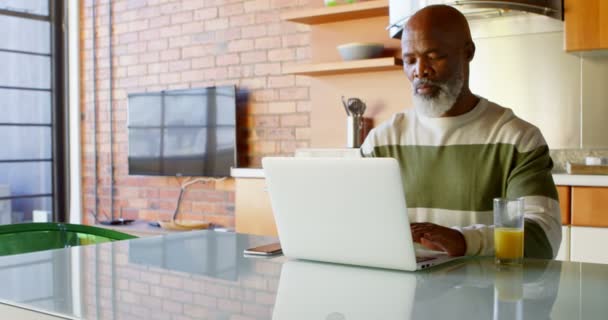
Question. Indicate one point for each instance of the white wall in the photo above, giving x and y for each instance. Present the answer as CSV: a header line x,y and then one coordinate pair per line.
x,y
565,95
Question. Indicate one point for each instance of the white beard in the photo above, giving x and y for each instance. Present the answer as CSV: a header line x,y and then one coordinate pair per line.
x,y
442,102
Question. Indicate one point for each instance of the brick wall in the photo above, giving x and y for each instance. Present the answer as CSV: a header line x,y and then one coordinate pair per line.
x,y
176,44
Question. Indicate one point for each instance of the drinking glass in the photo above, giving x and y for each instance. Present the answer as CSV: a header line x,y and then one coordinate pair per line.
x,y
509,230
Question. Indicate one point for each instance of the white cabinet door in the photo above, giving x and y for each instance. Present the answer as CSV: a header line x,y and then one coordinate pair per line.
x,y
589,244
564,248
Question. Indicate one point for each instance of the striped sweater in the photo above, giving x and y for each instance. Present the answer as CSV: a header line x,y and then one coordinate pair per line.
x,y
452,168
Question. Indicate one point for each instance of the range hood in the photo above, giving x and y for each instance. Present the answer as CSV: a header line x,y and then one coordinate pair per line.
x,y
401,10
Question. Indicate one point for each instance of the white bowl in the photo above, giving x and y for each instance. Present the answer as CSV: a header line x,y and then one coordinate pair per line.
x,y
360,50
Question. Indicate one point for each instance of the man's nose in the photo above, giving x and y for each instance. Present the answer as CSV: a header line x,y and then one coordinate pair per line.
x,y
422,69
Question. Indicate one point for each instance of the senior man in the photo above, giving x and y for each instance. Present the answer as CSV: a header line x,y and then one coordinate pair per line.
x,y
458,151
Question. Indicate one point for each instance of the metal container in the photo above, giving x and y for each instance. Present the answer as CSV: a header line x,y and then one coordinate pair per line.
x,y
354,131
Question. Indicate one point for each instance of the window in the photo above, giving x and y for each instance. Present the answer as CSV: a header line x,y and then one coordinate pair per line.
x,y
32,107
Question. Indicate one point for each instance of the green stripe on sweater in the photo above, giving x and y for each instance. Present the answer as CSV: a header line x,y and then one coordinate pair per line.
x,y
468,177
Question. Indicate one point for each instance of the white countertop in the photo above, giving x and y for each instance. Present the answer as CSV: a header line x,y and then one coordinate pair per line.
x,y
561,179
564,179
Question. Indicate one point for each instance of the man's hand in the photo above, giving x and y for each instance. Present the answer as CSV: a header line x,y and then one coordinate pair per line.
x,y
438,238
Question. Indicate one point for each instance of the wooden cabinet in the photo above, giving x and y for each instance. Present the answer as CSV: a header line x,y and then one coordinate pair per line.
x,y
590,206
586,25
253,212
564,203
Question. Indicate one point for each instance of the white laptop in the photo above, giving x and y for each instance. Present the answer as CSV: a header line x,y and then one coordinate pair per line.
x,y
344,210
312,290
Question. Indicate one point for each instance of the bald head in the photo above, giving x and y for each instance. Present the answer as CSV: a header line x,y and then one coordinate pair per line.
x,y
437,48
438,21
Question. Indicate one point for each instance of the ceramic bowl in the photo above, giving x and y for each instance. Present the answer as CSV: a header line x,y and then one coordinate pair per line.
x,y
360,50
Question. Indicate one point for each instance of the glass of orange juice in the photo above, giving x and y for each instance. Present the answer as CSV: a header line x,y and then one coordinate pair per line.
x,y
509,230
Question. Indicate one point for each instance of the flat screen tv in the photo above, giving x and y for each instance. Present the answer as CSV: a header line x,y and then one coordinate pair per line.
x,y
183,132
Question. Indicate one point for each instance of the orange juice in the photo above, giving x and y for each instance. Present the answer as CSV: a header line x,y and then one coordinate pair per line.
x,y
509,245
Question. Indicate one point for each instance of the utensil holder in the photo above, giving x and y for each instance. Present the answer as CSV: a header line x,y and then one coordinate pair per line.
x,y
354,131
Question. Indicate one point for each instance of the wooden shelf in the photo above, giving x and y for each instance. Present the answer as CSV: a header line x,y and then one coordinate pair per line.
x,y
344,67
360,10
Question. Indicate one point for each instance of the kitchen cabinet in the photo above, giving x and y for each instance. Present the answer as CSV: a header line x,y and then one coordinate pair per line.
x,y
590,206
253,212
564,203
588,244
586,25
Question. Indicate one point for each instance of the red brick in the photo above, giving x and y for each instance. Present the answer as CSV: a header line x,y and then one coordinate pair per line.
x,y
281,81
181,17
158,67
296,40
229,305
283,3
268,43
196,311
303,53
240,71
262,69
205,14
293,93
128,37
194,75
253,57
170,55
171,78
194,27
216,73
137,70
242,20
281,55
228,59
265,95
228,34
149,57
195,51
231,9
157,45
295,120
256,5
169,32
253,31
138,25
253,83
282,107
281,28
204,62
161,21
275,133
266,17
172,281
216,24
172,307
180,65
240,45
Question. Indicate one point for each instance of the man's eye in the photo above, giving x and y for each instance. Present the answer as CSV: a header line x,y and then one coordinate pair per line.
x,y
410,60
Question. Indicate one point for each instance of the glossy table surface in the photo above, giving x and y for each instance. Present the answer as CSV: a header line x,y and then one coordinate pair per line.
x,y
204,275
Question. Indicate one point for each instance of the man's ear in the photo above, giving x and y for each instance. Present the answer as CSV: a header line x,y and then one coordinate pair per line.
x,y
469,50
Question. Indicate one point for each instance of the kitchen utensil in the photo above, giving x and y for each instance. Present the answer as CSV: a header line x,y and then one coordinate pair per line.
x,y
345,104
